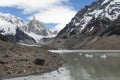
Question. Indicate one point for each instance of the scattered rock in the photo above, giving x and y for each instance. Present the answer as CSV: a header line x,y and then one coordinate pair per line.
x,y
24,71
9,72
39,61
6,56
3,62
22,60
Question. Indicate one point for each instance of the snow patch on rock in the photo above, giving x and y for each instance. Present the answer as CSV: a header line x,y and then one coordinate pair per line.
x,y
7,28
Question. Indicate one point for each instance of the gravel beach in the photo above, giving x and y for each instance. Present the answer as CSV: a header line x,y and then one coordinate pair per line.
x,y
17,60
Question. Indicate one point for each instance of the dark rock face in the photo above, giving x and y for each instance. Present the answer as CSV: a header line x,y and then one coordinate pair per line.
x,y
21,37
3,38
114,29
39,61
101,18
3,62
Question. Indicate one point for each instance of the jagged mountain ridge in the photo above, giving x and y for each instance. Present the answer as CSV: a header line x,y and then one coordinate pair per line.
x,y
101,18
92,19
18,31
9,24
37,27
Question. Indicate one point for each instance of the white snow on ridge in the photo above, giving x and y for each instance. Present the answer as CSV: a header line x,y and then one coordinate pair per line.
x,y
105,2
77,24
110,9
96,13
38,38
35,36
12,19
7,28
9,24
86,19
91,29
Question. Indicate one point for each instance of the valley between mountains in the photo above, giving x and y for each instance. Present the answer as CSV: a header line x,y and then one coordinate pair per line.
x,y
94,27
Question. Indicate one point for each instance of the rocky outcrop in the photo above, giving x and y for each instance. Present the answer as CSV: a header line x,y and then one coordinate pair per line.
x,y
3,38
39,61
37,27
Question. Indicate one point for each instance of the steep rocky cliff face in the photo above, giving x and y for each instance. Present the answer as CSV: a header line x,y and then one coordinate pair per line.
x,y
101,18
37,27
36,30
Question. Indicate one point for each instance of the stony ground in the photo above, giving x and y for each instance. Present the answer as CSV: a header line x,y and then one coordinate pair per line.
x,y
17,60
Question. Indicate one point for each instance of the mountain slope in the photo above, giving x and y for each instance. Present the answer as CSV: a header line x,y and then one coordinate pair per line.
x,y
93,18
101,18
14,29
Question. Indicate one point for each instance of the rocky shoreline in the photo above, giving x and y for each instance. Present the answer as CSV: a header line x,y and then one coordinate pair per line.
x,y
17,60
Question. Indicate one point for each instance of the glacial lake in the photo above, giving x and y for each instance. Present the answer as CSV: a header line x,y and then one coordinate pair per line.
x,y
83,66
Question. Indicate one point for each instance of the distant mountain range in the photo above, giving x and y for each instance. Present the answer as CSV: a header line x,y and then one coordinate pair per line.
x,y
15,29
90,25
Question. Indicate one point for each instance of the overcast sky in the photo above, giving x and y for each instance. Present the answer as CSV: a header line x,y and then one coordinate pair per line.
x,y
55,14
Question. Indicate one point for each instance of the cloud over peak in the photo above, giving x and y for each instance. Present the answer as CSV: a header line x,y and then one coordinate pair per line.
x,y
47,11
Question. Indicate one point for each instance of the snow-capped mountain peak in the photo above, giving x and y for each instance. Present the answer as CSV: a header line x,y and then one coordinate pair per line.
x,y
106,10
7,28
38,31
12,19
36,26
9,24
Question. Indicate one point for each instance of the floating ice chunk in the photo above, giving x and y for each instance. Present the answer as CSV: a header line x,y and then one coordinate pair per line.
x,y
103,56
91,56
76,59
80,54
87,55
